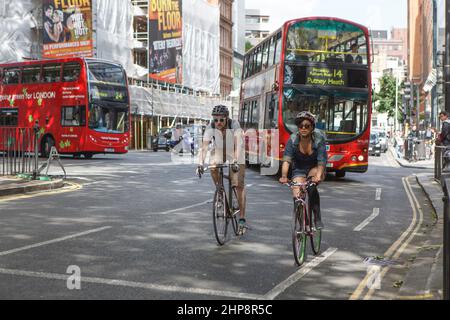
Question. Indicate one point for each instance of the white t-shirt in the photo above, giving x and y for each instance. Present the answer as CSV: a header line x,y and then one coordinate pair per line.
x,y
220,146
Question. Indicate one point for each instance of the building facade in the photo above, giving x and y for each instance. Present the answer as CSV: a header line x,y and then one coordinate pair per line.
x,y
226,47
256,26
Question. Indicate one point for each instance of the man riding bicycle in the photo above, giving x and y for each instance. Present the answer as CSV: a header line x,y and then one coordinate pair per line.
x,y
216,133
306,151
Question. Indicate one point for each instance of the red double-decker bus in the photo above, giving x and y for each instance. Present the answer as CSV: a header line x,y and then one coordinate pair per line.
x,y
317,64
81,106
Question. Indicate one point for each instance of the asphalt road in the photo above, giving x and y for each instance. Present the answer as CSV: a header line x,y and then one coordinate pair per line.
x,y
139,227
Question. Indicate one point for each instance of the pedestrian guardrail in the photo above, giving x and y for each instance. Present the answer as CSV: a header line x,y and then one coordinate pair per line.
x,y
18,151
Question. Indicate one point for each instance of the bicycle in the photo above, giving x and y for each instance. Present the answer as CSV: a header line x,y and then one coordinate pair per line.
x,y
303,226
225,206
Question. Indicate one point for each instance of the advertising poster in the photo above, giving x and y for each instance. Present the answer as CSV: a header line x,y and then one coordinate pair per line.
x,y
165,40
67,28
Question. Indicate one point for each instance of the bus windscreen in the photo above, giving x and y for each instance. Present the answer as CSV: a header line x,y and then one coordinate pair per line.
x,y
326,41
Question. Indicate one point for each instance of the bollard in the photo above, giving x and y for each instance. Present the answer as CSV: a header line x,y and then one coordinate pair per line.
x,y
36,150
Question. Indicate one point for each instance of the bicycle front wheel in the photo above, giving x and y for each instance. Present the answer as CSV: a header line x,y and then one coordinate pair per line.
x,y
235,212
316,235
299,235
220,220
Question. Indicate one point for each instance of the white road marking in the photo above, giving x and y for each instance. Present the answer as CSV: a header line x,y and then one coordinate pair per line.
x,y
184,208
132,284
4,253
378,194
303,271
375,213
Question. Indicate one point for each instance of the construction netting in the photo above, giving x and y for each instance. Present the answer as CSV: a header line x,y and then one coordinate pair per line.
x,y
159,101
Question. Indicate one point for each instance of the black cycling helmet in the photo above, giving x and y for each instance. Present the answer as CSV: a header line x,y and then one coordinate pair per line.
x,y
220,110
305,115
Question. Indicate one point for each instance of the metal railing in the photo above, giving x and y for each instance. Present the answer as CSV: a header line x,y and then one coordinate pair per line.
x,y
18,151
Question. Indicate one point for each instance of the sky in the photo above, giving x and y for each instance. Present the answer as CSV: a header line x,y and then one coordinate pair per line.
x,y
375,14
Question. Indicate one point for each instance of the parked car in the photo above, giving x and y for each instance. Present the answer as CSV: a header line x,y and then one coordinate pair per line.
x,y
374,145
382,136
162,140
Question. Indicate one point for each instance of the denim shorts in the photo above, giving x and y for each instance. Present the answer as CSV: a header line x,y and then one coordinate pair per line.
x,y
300,172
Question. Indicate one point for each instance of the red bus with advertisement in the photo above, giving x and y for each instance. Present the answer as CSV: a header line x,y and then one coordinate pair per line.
x,y
316,64
81,105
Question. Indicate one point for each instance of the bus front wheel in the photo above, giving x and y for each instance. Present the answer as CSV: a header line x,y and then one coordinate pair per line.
x,y
47,145
88,155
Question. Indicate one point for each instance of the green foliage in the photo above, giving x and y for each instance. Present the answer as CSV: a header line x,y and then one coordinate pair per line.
x,y
385,99
248,46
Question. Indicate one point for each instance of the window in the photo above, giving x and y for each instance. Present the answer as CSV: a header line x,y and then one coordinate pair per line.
x,y
51,73
265,58
272,51
278,49
71,71
73,116
11,76
31,74
9,117
255,114
258,60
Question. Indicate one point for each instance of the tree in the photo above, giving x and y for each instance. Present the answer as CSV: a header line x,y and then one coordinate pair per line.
x,y
385,99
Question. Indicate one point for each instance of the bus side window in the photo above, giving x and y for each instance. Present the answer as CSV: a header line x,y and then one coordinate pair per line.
x,y
73,116
278,49
71,71
31,74
272,51
51,73
9,117
11,76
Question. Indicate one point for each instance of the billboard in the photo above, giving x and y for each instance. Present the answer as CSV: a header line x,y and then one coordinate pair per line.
x,y
67,28
165,40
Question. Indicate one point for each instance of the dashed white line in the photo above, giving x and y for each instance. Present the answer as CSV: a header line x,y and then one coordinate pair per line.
x,y
378,194
184,208
40,244
375,213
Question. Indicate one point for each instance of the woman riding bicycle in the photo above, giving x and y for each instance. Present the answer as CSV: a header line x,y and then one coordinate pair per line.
x,y
306,151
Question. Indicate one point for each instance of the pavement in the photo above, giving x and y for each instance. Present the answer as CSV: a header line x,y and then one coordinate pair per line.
x,y
13,185
424,279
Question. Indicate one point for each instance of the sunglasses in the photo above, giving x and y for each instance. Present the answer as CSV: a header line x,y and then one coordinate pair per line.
x,y
221,120
304,126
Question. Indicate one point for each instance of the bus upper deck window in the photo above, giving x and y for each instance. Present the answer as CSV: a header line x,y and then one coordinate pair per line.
x,y
31,74
52,73
11,76
71,71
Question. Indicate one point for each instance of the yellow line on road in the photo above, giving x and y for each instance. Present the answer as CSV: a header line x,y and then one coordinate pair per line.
x,y
72,186
392,252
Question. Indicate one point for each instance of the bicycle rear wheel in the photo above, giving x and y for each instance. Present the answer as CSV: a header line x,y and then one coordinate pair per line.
x,y
298,235
220,220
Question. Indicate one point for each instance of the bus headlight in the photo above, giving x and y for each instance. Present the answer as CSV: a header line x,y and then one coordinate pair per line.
x,y
354,159
361,158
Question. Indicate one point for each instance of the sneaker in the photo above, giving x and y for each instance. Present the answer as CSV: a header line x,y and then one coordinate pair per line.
x,y
319,225
242,227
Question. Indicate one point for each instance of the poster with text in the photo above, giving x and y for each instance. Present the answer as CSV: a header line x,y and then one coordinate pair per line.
x,y
67,28
165,40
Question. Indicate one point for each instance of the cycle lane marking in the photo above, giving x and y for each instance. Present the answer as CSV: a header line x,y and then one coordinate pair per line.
x,y
394,255
40,244
362,225
184,208
303,271
389,254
